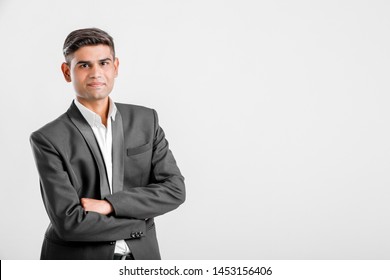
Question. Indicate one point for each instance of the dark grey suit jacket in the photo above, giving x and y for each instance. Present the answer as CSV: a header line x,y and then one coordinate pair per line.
x,y
146,183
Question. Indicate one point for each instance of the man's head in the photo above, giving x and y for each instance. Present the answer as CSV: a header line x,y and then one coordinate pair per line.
x,y
90,64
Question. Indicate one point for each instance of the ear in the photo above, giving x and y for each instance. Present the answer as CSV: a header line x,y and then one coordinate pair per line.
x,y
66,71
116,66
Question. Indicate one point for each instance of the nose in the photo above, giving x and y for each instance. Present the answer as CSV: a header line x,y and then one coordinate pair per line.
x,y
95,72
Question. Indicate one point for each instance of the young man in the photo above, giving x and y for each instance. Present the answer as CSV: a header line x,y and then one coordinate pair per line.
x,y
105,168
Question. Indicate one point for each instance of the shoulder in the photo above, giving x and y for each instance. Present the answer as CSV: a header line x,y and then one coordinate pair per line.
x,y
136,111
138,117
55,129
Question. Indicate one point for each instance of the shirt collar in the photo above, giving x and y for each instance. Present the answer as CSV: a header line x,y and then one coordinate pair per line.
x,y
91,117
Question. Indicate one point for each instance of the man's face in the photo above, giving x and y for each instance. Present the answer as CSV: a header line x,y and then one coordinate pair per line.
x,y
92,70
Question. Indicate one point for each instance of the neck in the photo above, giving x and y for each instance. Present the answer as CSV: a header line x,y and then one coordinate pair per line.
x,y
100,107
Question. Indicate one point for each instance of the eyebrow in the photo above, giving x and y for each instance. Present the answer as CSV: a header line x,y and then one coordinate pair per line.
x,y
89,62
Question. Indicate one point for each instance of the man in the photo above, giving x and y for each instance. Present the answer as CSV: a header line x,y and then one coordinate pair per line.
x,y
105,168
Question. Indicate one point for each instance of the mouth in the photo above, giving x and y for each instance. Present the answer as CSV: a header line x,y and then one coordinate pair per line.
x,y
96,84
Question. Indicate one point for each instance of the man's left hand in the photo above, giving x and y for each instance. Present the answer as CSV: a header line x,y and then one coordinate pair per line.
x,y
100,206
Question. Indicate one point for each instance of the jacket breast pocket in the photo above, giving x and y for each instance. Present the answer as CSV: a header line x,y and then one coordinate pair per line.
x,y
138,164
139,150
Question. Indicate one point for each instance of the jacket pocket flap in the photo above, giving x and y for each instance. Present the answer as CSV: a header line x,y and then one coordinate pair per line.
x,y
139,150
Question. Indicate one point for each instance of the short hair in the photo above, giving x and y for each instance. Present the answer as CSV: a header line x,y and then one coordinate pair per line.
x,y
86,37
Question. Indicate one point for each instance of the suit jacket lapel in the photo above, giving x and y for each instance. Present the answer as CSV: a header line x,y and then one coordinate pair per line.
x,y
84,128
117,153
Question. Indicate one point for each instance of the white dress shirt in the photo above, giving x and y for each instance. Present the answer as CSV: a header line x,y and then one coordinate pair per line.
x,y
104,138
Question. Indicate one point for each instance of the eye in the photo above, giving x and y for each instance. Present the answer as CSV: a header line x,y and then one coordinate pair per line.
x,y
84,65
103,63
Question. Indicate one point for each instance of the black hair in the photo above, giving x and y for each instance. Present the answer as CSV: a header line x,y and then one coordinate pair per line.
x,y
86,37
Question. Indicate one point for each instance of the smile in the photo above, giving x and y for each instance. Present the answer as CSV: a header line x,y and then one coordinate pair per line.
x,y
96,84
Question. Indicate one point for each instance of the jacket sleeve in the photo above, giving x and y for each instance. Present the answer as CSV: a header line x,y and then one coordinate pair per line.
x,y
166,190
62,202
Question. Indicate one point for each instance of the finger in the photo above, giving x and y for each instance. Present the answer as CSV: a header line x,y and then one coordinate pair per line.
x,y
84,202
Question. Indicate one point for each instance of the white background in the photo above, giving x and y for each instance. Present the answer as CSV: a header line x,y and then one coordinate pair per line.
x,y
277,113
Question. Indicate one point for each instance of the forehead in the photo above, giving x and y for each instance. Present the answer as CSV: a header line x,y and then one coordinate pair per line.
x,y
92,53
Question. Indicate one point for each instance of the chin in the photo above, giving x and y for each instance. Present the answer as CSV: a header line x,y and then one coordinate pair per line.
x,y
98,95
